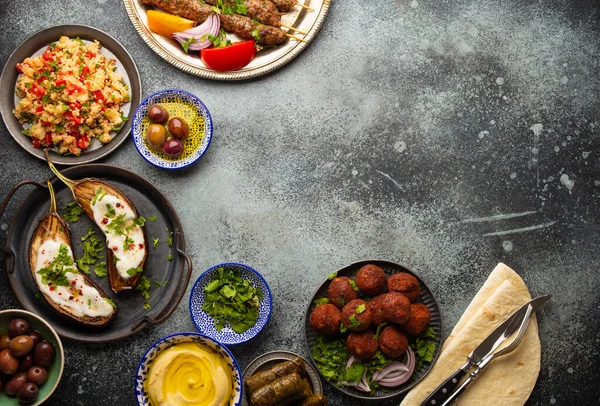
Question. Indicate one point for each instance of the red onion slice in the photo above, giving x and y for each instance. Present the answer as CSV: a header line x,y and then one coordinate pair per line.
x,y
396,373
210,26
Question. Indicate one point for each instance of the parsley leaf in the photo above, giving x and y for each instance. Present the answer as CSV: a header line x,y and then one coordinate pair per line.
x,y
73,212
55,272
186,44
256,34
100,270
152,218
143,286
155,242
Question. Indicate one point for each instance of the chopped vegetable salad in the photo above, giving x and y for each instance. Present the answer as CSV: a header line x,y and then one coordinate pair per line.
x,y
69,95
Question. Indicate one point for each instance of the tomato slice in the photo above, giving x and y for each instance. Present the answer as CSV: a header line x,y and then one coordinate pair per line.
x,y
232,57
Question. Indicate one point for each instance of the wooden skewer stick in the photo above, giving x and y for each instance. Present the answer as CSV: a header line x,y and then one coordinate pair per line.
x,y
306,7
296,38
294,29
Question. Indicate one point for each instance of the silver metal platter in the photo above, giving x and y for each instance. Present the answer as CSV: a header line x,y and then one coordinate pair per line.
x,y
34,46
269,359
266,60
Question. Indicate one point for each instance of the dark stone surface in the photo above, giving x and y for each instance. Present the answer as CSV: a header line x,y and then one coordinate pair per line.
x,y
400,122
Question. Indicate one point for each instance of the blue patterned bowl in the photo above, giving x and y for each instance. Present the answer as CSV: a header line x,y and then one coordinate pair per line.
x,y
178,103
142,374
205,323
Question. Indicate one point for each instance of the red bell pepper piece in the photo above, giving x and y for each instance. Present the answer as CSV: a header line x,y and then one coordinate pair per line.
x,y
60,82
83,142
98,96
232,57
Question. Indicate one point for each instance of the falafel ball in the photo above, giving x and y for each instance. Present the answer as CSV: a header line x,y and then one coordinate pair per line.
x,y
362,345
340,291
393,342
396,308
376,305
406,284
420,316
326,319
356,315
371,280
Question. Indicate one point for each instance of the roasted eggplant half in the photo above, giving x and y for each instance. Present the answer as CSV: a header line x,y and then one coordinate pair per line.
x,y
56,276
117,217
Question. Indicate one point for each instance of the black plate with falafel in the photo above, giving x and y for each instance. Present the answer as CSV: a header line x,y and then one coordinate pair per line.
x,y
373,329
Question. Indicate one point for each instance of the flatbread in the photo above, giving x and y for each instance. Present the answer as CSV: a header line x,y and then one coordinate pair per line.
x,y
508,380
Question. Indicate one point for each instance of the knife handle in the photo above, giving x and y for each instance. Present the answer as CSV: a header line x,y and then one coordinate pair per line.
x,y
443,392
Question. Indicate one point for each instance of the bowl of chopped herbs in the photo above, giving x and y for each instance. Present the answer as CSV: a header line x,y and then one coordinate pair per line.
x,y
231,303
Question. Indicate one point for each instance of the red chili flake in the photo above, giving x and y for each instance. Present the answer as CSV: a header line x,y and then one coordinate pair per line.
x,y
115,248
80,292
141,246
43,251
73,282
132,247
105,220
51,288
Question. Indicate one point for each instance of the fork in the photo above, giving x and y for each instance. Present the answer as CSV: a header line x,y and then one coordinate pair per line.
x,y
488,358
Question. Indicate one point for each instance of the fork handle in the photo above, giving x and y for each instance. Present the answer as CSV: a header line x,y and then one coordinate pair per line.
x,y
442,392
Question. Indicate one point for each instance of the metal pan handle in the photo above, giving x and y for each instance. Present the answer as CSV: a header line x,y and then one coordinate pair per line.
x,y
10,255
185,277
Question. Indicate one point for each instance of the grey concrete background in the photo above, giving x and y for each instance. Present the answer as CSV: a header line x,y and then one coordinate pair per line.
x,y
399,133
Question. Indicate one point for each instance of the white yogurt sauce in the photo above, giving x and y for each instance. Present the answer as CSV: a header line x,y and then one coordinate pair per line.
x,y
79,298
131,254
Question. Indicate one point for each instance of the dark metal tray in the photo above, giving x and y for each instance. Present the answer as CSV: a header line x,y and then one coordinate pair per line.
x,y
131,317
425,297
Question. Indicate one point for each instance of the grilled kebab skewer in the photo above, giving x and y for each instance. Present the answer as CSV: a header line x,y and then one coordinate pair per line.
x,y
264,11
287,5
240,25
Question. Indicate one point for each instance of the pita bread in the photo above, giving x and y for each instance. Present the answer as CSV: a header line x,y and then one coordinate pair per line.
x,y
508,380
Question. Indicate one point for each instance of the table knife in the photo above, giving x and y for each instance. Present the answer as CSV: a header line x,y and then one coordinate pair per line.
x,y
487,346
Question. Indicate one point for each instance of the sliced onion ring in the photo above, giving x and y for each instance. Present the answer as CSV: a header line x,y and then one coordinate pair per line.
x,y
210,26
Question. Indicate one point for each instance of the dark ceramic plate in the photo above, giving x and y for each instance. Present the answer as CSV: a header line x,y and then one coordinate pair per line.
x,y
426,297
131,316
35,45
270,359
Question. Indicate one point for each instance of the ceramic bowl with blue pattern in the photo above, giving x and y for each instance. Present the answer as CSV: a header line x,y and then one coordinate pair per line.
x,y
181,104
142,374
206,324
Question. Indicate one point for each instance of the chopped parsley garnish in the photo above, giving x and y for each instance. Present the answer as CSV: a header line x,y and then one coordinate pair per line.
x,y
116,225
354,323
92,251
139,221
127,243
110,302
56,272
97,196
186,44
116,259
360,308
256,34
143,286
80,41
169,257
161,284
100,270
73,212
231,299
332,275
134,271
110,211
321,301
155,242
152,218
220,40
170,237
353,284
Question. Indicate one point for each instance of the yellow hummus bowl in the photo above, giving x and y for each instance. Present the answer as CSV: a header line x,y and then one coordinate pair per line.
x,y
188,369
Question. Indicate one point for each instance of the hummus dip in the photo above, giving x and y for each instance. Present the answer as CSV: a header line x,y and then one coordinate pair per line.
x,y
189,374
